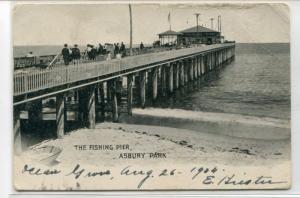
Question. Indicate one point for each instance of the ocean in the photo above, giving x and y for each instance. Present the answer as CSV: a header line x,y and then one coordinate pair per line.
x,y
257,83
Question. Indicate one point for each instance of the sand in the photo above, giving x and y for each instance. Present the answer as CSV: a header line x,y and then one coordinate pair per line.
x,y
183,149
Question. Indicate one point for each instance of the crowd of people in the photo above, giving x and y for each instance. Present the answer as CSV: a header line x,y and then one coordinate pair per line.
x,y
91,52
73,55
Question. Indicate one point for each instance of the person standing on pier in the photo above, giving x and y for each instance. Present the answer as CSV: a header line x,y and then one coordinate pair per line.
x,y
93,53
88,51
122,49
76,54
141,46
66,54
100,49
117,49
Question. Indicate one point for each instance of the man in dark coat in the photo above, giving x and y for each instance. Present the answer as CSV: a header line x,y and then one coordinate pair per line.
x,y
141,46
93,52
76,54
66,54
122,48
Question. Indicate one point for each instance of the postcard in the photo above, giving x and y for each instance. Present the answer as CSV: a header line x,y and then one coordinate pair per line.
x,y
151,96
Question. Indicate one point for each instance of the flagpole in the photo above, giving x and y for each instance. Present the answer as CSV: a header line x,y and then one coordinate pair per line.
x,y
169,19
130,42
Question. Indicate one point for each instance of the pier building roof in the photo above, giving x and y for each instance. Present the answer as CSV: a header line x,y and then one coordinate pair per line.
x,y
200,29
170,32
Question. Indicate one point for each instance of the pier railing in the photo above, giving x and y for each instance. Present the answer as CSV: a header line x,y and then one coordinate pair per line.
x,y
35,80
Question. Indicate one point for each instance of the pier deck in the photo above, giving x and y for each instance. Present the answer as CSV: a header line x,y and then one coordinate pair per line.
x,y
34,81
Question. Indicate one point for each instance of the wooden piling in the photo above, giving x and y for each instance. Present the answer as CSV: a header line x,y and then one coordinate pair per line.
x,y
119,86
211,61
170,78
195,68
60,115
17,131
201,65
163,80
102,100
35,111
108,91
114,102
91,108
81,105
185,71
154,72
129,94
176,75
96,94
87,111
143,88
204,61
191,69
181,73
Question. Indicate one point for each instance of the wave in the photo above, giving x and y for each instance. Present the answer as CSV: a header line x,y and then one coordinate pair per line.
x,y
213,117
234,125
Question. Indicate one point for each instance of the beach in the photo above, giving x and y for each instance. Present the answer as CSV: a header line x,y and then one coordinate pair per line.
x,y
124,145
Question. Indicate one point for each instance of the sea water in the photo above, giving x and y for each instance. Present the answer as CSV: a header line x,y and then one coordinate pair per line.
x,y
256,83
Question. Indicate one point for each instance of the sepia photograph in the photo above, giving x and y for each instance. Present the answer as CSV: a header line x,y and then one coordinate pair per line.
x,y
151,96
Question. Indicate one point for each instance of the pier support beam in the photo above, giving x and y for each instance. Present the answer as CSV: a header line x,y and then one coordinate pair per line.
x,y
191,70
35,111
143,88
17,131
176,75
129,93
195,68
87,111
215,59
102,100
154,72
199,67
163,80
170,78
108,91
114,100
210,61
203,64
119,86
206,64
181,73
61,116
91,108
186,72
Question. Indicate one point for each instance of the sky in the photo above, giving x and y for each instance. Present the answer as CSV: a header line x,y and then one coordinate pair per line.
x,y
56,24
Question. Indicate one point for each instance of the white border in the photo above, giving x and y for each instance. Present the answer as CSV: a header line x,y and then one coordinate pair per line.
x,y
6,186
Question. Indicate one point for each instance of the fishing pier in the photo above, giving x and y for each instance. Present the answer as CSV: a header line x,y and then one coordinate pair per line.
x,y
96,86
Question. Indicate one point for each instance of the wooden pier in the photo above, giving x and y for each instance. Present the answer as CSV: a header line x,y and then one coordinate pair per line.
x,y
97,86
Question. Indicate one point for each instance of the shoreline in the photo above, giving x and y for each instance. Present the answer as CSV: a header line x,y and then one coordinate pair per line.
x,y
184,149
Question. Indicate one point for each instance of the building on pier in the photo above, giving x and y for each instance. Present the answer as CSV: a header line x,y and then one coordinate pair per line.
x,y
199,34
193,35
169,37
